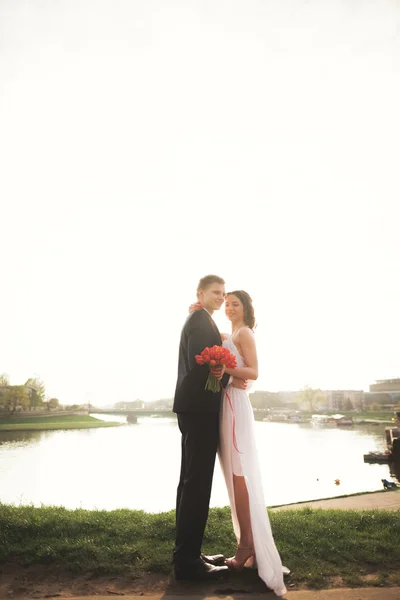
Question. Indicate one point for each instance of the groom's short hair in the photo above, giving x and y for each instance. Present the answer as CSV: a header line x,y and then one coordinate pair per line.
x,y
208,280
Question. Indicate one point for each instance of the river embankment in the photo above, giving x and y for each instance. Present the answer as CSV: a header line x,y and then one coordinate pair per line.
x,y
41,421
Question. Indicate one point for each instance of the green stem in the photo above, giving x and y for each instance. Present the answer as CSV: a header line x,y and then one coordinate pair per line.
x,y
213,383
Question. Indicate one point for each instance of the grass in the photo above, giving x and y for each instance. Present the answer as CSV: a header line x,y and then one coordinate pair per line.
x,y
53,422
319,546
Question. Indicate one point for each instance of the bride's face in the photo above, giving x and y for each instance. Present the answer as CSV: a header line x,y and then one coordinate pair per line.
x,y
234,308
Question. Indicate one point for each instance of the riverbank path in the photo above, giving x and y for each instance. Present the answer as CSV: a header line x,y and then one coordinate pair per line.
x,y
389,500
337,594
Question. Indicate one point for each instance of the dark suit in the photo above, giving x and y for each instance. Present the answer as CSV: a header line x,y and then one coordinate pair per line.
x,y
198,419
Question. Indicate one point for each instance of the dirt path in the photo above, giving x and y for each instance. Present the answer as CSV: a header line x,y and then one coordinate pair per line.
x,y
389,500
17,583
46,582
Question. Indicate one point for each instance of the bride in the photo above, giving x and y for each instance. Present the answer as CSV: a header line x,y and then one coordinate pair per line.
x,y
238,453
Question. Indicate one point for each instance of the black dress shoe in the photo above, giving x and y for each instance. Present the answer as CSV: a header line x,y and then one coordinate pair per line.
x,y
216,559
199,571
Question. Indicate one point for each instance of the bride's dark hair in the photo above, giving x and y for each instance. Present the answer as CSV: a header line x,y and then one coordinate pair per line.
x,y
248,309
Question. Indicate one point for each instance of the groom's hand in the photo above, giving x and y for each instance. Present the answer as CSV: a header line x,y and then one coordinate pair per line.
x,y
218,372
241,384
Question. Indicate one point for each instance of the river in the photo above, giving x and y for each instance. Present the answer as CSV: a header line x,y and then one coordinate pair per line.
x,y
137,466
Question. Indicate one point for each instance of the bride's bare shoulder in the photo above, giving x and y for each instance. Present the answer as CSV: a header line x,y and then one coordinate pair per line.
x,y
224,336
245,334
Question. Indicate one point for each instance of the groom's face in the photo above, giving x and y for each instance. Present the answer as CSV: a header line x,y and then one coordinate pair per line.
x,y
212,298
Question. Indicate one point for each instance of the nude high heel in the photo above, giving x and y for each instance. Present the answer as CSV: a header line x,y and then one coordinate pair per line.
x,y
241,558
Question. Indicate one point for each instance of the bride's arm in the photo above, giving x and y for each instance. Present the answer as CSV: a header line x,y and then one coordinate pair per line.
x,y
246,341
195,306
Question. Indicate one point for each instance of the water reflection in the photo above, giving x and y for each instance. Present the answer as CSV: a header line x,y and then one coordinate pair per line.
x,y
137,466
11,439
19,437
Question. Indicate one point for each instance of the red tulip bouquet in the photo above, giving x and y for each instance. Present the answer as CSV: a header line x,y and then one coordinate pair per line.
x,y
217,356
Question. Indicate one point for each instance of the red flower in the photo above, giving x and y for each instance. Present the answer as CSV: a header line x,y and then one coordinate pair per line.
x,y
217,356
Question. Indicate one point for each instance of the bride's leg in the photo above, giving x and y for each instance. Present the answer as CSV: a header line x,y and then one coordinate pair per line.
x,y
245,550
243,510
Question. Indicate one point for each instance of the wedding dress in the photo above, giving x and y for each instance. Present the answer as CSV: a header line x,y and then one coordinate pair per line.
x,y
244,461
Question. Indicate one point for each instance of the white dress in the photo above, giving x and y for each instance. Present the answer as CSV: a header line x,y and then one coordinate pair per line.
x,y
245,462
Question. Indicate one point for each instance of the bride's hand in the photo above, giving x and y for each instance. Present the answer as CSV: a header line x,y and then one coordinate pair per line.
x,y
195,306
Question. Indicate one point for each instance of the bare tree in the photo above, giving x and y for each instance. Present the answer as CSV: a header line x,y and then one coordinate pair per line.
x,y
4,379
38,385
311,397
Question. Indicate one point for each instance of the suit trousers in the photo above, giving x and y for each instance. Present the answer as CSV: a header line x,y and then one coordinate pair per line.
x,y
200,436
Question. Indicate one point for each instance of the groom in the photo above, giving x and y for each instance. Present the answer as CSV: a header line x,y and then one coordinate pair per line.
x,y
198,419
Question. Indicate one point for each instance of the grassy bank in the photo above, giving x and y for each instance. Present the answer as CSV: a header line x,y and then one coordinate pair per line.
x,y
321,547
379,416
369,415
385,417
52,422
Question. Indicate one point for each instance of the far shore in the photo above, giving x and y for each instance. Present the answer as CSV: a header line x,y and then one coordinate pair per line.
x,y
82,420
52,422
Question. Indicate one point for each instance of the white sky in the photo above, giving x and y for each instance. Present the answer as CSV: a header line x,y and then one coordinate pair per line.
x,y
144,144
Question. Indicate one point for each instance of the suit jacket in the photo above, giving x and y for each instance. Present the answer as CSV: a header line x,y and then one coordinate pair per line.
x,y
198,332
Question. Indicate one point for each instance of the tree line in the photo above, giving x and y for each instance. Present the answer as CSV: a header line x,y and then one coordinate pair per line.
x,y
29,396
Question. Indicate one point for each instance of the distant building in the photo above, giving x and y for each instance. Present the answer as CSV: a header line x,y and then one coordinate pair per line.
x,y
386,385
332,400
163,403
289,397
343,399
134,404
385,392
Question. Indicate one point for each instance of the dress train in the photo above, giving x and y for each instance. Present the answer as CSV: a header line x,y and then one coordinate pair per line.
x,y
237,422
